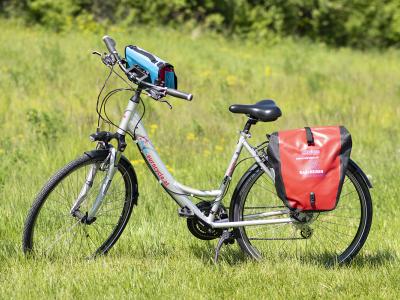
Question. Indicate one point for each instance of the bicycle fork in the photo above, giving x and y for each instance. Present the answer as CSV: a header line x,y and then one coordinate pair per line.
x,y
112,160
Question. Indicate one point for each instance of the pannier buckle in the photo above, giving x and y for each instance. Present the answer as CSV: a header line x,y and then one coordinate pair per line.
x,y
312,199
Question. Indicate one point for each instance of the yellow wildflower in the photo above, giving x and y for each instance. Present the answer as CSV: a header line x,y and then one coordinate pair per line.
x,y
170,169
137,161
206,153
153,128
205,73
191,136
231,80
219,148
267,71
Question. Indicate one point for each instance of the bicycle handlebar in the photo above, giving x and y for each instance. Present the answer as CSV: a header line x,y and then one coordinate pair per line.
x,y
110,44
179,94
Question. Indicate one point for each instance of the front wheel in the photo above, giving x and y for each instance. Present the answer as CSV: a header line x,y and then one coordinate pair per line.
x,y
326,237
50,228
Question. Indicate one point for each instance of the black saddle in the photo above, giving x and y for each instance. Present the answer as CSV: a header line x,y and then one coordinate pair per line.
x,y
264,110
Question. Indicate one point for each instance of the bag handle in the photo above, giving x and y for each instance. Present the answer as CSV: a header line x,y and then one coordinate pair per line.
x,y
309,136
145,53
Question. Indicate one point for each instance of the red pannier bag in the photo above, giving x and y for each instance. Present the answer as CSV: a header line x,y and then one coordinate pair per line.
x,y
310,165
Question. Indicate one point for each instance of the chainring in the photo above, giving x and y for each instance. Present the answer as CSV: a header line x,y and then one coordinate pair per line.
x,y
200,229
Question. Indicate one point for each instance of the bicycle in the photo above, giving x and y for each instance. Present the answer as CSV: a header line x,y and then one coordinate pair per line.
x,y
83,209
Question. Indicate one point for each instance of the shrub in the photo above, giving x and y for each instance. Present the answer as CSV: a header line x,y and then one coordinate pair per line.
x,y
359,23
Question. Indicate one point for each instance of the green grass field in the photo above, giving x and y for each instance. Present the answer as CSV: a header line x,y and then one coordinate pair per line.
x,y
48,88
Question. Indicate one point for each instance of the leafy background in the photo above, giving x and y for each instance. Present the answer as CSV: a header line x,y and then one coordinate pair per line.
x,y
359,23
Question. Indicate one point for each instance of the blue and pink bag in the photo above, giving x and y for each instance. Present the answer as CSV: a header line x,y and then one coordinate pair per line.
x,y
159,72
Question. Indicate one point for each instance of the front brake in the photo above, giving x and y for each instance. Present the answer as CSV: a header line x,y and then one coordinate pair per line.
x,y
107,59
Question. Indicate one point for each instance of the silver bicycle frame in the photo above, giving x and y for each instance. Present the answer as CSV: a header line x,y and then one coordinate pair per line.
x,y
131,122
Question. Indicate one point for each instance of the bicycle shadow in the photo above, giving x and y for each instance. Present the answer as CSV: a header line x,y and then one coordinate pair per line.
x,y
232,255
375,259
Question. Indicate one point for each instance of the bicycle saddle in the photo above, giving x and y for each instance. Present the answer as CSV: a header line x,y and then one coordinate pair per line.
x,y
264,110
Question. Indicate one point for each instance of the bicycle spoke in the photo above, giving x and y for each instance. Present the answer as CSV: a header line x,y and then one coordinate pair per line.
x,y
335,232
59,237
343,217
345,195
335,223
71,241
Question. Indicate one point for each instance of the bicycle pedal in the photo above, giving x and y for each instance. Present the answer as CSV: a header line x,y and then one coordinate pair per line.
x,y
185,212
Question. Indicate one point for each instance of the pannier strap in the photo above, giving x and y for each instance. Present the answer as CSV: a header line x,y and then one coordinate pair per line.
x,y
312,200
309,136
145,53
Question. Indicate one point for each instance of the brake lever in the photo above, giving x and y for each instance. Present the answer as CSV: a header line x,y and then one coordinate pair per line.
x,y
158,95
154,94
166,102
106,58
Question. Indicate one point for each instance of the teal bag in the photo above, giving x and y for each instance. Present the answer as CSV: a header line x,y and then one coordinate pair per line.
x,y
160,72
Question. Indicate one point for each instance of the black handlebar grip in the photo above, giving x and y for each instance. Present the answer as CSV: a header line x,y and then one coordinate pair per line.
x,y
179,94
110,43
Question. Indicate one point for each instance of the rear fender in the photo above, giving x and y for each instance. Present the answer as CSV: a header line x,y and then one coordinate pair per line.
x,y
238,187
361,172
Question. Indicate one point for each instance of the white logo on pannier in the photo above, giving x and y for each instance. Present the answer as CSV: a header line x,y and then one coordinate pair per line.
x,y
308,172
310,152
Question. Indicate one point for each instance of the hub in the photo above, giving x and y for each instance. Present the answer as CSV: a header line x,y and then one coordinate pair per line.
x,y
306,232
83,217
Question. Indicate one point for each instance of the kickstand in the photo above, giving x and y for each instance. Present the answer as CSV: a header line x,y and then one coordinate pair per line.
x,y
227,237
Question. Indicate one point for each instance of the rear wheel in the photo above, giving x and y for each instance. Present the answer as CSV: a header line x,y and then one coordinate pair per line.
x,y
51,230
327,237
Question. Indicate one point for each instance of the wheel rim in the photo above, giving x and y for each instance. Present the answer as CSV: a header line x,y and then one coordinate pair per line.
x,y
328,237
58,234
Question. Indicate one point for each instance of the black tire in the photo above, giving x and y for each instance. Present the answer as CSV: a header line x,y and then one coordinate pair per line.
x,y
51,230
328,237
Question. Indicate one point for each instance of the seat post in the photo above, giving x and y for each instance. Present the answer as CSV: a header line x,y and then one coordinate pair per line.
x,y
249,122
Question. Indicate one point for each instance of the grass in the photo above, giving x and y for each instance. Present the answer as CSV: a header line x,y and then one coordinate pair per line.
x,y
48,88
